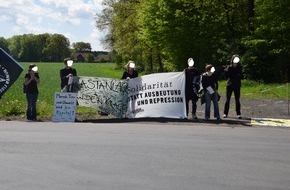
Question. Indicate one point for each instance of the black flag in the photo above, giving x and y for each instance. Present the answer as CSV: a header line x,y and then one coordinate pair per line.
x,y
9,71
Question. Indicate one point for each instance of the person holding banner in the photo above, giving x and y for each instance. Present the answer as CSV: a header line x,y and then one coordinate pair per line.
x,y
209,84
192,77
31,81
130,71
233,72
67,72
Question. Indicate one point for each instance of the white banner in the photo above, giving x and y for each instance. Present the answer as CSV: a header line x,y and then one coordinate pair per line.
x,y
103,94
64,107
157,95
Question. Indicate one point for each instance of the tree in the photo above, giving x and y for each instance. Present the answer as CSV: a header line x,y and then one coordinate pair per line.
x,y
57,48
268,47
163,34
4,44
81,47
90,58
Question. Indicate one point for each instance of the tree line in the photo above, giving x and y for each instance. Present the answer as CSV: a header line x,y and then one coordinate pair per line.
x,y
160,35
42,47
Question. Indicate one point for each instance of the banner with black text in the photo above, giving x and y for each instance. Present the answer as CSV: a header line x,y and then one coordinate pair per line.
x,y
103,94
157,95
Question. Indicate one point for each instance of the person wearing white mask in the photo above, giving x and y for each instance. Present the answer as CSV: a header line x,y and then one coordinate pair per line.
x,y
130,71
192,77
234,75
210,87
67,72
31,81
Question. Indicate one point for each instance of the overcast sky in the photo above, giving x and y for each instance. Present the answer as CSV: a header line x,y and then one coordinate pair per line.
x,y
72,18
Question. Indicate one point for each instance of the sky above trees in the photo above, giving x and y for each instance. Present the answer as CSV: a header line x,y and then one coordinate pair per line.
x,y
72,18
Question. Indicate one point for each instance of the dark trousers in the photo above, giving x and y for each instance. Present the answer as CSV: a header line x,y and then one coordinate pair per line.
x,y
193,99
31,106
237,93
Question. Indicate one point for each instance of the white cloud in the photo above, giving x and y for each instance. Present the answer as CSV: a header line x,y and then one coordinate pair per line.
x,y
4,18
72,18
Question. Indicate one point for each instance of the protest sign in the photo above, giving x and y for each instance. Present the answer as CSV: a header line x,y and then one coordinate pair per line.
x,y
64,107
104,94
10,70
157,95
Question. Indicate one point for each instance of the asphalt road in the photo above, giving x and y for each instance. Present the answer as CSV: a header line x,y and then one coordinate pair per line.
x,y
142,156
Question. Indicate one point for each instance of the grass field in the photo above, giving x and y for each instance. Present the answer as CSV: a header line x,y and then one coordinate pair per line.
x,y
13,101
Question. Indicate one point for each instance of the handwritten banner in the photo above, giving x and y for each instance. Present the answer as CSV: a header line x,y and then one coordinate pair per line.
x,y
157,95
104,94
64,107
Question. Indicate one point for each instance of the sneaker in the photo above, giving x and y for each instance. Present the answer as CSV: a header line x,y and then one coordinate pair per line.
x,y
218,118
225,116
206,118
239,117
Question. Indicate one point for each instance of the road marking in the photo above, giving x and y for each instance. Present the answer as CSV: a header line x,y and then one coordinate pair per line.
x,y
271,122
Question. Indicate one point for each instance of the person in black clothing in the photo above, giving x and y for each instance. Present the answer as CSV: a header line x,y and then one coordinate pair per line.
x,y
31,80
192,77
210,87
130,71
67,72
234,75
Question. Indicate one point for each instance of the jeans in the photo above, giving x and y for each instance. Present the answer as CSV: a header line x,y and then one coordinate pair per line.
x,y
237,93
31,106
214,98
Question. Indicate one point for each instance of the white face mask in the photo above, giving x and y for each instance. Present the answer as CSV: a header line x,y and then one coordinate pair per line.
x,y
190,62
69,63
132,65
212,70
236,60
35,69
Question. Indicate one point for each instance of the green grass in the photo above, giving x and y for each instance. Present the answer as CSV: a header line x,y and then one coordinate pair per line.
x,y
255,90
13,101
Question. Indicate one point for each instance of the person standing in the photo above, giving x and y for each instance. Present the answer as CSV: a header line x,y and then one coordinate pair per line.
x,y
234,75
31,81
192,76
210,87
130,71
67,72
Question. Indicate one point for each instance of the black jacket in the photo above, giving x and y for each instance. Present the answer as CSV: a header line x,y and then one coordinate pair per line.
x,y
63,73
126,74
212,80
234,76
31,88
191,74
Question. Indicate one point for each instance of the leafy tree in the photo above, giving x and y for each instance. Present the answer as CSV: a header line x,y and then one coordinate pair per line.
x,y
41,42
4,44
57,48
81,47
42,47
268,47
90,58
163,34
